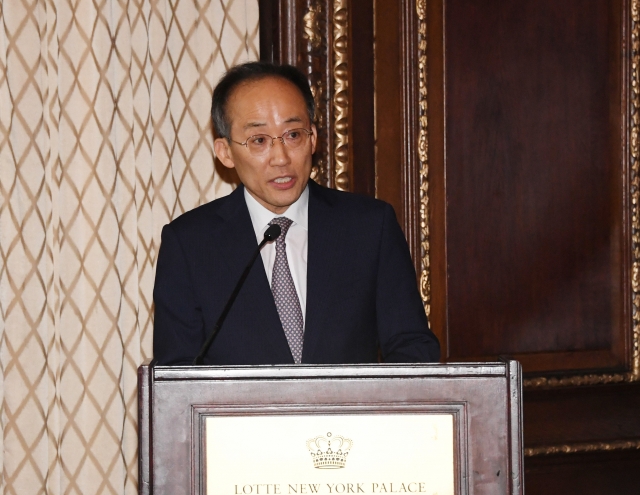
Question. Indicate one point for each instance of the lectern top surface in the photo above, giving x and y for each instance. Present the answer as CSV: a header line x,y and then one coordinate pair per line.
x,y
452,370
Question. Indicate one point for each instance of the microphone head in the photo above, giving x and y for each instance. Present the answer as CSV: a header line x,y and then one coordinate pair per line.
x,y
272,233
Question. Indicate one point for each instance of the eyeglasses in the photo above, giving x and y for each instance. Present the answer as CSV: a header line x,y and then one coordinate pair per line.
x,y
260,144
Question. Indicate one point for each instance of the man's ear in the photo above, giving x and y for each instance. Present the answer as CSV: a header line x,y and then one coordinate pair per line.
x,y
223,152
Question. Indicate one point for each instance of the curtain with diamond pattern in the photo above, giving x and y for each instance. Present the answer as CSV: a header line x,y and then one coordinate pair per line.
x,y
104,138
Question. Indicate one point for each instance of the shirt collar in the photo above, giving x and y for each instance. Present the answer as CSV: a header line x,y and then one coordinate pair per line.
x,y
298,212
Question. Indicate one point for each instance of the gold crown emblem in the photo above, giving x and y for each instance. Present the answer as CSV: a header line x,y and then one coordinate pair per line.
x,y
330,451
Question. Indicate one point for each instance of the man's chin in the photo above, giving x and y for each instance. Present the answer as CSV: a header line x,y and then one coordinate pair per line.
x,y
280,202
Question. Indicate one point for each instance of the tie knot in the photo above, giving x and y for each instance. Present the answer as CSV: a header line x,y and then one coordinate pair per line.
x,y
284,224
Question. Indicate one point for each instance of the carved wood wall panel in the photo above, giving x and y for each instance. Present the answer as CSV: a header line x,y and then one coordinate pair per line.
x,y
410,165
532,124
314,35
484,118
537,212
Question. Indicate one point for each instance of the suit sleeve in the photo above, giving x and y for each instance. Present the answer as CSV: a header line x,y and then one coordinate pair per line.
x,y
178,322
403,329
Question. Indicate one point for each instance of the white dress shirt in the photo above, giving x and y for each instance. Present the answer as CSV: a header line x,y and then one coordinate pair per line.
x,y
296,240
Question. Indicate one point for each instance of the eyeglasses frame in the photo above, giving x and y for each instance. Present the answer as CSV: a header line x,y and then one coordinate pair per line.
x,y
273,139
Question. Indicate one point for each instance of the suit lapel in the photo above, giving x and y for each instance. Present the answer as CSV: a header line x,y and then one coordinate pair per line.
x,y
238,240
239,244
324,246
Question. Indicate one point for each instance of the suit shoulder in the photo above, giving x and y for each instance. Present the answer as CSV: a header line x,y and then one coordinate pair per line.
x,y
357,204
203,214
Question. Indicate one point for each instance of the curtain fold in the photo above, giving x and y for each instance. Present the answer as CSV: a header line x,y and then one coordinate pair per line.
x,y
104,137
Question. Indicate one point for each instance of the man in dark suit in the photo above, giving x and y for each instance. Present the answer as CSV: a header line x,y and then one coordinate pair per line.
x,y
338,286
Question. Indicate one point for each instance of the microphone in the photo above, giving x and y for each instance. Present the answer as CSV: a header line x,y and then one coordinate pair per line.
x,y
271,234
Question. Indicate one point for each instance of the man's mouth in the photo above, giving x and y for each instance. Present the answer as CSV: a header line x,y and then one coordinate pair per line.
x,y
282,180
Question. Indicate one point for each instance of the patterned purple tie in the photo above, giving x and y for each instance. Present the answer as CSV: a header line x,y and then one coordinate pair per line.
x,y
285,295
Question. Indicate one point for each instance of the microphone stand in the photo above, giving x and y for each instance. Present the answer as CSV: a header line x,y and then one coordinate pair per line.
x,y
272,233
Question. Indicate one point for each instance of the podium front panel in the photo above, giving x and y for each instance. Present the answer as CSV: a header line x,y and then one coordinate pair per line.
x,y
319,430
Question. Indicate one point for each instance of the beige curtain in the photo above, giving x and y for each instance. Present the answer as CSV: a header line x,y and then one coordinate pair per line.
x,y
104,137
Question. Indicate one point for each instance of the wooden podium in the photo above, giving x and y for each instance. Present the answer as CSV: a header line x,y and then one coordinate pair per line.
x,y
331,430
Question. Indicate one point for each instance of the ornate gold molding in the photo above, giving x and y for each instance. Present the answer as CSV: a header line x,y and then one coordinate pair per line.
x,y
311,25
635,184
578,448
315,59
423,156
318,94
340,95
317,91
577,380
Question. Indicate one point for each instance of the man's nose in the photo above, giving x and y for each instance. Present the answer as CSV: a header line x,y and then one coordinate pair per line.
x,y
279,151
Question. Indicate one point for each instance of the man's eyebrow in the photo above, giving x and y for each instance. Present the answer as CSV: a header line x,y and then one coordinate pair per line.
x,y
251,125
293,119
254,124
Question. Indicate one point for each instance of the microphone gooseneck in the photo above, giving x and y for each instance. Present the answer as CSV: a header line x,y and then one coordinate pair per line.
x,y
271,234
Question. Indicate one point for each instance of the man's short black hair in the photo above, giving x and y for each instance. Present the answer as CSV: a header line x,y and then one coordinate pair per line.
x,y
254,71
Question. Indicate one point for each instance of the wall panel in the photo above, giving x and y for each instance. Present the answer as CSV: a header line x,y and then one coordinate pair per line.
x,y
537,239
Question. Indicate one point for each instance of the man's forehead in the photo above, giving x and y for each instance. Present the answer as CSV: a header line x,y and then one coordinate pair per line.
x,y
263,82
248,101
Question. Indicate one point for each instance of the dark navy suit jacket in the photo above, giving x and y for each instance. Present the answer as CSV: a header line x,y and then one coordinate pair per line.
x,y
361,287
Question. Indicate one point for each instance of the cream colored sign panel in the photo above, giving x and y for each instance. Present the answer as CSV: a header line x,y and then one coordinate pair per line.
x,y
330,454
